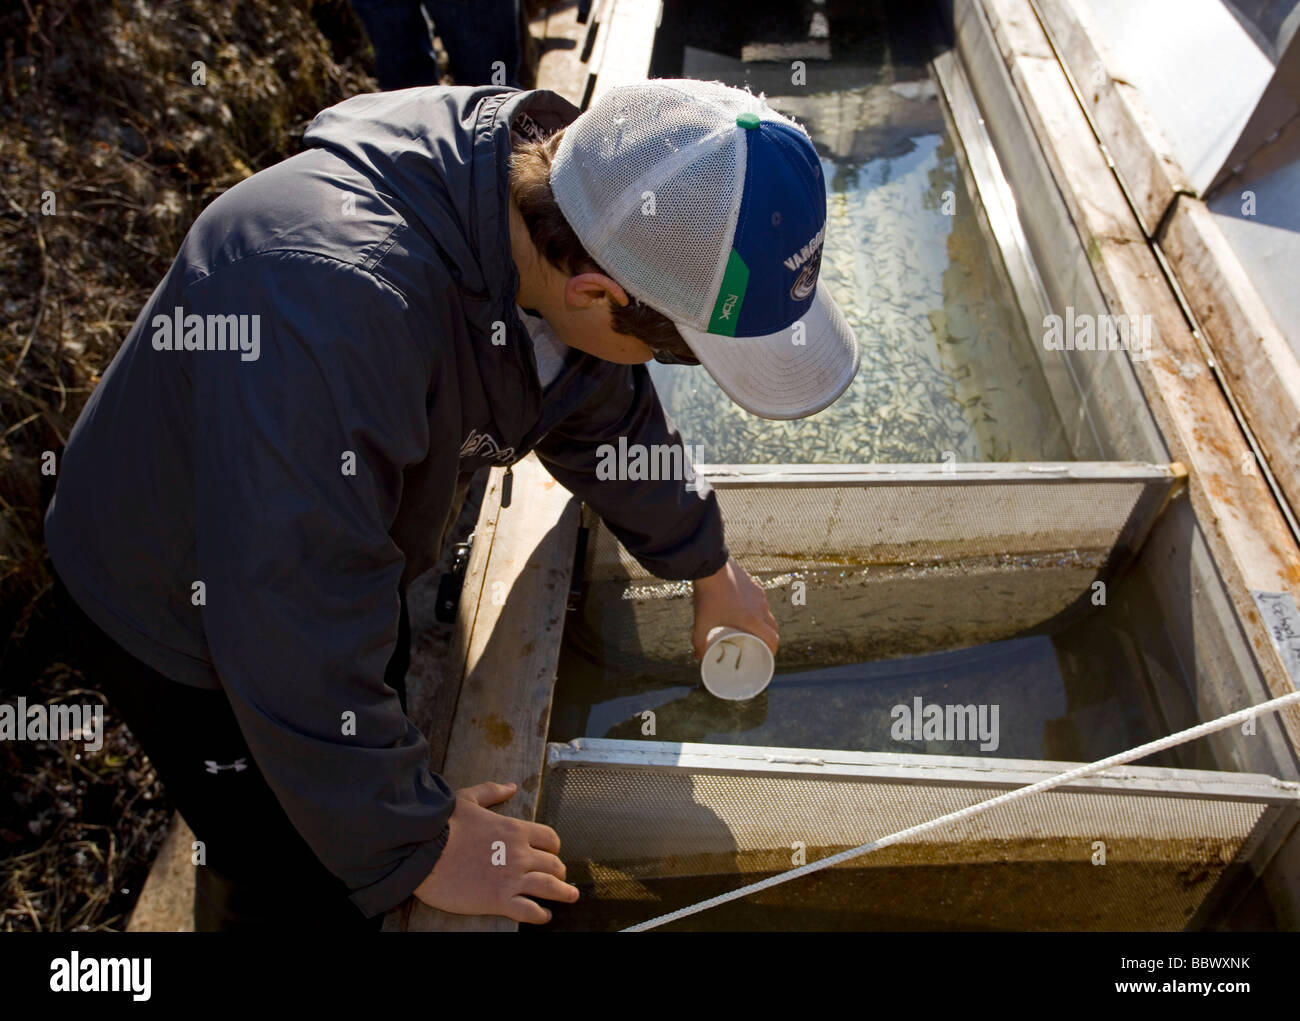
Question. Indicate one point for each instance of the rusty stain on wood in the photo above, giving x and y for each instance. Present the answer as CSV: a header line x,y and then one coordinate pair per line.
x,y
498,732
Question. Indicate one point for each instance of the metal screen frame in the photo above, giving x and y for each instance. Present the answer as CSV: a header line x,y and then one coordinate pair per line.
x,y
968,771
1278,800
1159,484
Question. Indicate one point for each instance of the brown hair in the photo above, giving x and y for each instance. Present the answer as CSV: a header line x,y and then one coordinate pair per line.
x,y
530,188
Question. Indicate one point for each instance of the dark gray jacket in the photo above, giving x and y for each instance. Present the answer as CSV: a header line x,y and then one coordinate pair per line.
x,y
206,517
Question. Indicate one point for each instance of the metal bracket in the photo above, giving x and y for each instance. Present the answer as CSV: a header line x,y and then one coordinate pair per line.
x,y
451,583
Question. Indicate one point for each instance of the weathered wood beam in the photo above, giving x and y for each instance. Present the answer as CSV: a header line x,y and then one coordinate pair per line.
x,y
511,622
1242,523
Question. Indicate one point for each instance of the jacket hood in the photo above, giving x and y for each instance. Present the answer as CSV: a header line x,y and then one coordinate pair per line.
x,y
442,155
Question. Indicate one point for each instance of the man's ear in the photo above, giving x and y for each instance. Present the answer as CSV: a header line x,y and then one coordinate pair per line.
x,y
586,290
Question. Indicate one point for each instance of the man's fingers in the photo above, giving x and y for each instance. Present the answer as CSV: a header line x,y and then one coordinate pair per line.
x,y
521,909
700,639
488,794
543,861
539,884
542,837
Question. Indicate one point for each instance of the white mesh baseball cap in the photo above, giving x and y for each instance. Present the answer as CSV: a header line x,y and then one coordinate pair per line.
x,y
709,206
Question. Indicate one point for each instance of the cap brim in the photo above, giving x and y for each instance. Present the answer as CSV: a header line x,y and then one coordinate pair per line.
x,y
776,376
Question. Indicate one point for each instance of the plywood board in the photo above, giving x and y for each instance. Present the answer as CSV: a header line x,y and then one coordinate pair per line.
x,y
624,46
1142,155
166,903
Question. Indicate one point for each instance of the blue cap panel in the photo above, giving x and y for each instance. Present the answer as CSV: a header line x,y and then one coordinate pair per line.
x,y
780,230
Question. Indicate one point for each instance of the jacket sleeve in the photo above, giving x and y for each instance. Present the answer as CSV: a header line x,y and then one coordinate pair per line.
x,y
298,463
672,526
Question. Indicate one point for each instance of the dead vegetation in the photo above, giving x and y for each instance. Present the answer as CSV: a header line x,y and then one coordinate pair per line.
x,y
121,120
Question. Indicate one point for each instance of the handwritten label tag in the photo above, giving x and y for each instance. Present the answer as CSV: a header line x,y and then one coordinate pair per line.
x,y
1283,621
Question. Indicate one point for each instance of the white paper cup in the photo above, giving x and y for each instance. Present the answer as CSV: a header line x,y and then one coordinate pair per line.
x,y
736,665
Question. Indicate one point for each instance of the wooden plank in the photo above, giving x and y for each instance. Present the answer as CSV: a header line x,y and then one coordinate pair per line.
x,y
1253,352
441,677
471,594
1262,370
1099,400
513,623
1143,157
166,903
625,44
560,67
1243,526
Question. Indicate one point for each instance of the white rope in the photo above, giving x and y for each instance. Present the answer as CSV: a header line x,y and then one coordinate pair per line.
x,y
1141,752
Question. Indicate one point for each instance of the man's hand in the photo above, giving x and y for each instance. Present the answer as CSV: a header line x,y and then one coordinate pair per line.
x,y
465,882
731,598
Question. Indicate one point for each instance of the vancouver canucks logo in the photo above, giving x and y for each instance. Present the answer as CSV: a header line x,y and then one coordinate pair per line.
x,y
810,258
479,444
806,280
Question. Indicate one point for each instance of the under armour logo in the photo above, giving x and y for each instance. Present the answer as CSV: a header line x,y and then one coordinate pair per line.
x,y
239,765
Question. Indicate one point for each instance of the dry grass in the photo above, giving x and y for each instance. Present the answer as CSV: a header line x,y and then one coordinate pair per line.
x,y
80,829
101,116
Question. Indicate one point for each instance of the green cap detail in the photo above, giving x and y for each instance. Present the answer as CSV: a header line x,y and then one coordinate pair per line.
x,y
731,295
747,120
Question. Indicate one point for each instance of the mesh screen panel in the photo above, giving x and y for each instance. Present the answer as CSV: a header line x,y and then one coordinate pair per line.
x,y
671,258
643,840
932,561
681,144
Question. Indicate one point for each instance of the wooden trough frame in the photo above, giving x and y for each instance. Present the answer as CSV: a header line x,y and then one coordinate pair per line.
x,y
1246,348
1239,537
1250,544
507,643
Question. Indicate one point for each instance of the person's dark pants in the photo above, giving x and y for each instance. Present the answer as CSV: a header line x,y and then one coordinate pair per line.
x,y
476,34
259,872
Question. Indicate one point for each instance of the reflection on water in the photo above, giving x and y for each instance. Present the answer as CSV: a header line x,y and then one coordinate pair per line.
x,y
1015,686
1075,696
851,706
